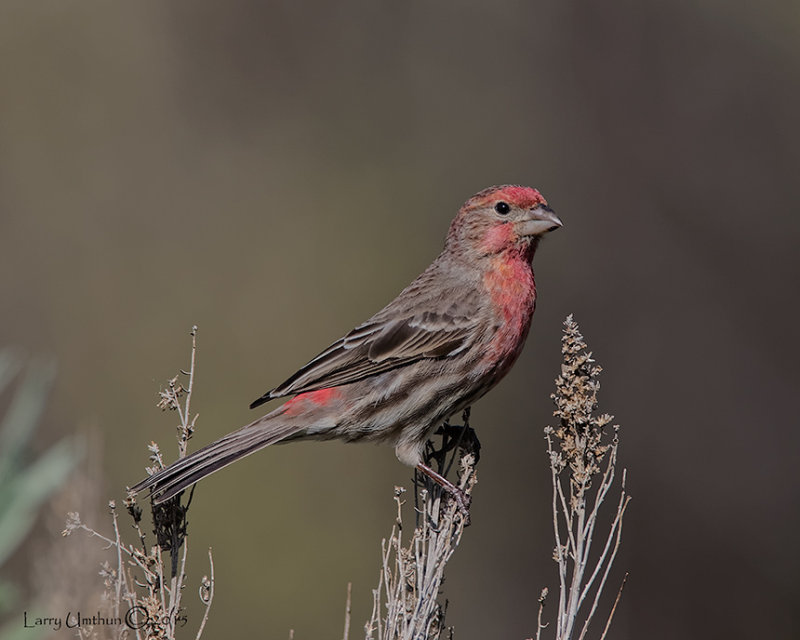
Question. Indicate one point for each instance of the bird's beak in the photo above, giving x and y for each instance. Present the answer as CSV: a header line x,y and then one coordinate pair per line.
x,y
539,221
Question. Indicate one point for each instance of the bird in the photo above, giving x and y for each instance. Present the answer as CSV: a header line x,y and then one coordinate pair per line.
x,y
441,344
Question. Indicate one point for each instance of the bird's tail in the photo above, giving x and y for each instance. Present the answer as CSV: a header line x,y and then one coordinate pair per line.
x,y
182,474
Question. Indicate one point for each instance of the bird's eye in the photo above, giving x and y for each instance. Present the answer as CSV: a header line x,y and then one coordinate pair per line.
x,y
502,208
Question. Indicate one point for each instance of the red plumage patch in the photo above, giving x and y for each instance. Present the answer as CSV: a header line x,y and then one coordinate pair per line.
x,y
512,289
523,197
300,403
497,238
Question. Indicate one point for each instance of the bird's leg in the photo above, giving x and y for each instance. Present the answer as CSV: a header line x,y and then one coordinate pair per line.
x,y
461,498
455,438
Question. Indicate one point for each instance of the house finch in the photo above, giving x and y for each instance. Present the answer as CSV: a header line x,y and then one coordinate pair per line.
x,y
447,339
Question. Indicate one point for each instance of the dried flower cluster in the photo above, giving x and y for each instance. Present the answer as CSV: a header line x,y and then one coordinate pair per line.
x,y
584,453
580,432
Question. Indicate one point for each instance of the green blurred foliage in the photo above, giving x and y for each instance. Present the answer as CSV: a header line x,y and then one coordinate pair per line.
x,y
26,484
275,172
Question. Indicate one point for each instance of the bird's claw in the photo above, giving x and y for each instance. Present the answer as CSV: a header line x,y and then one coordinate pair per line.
x,y
461,498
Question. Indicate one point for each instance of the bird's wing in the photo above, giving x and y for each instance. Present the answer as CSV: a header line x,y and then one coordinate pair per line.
x,y
381,344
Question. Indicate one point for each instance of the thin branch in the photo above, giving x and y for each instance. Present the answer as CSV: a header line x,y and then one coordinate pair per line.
x,y
614,608
109,542
207,588
186,427
347,612
618,525
539,625
623,499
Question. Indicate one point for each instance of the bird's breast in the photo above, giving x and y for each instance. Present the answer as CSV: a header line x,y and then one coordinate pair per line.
x,y
512,292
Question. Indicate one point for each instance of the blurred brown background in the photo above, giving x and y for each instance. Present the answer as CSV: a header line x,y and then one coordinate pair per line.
x,y
276,172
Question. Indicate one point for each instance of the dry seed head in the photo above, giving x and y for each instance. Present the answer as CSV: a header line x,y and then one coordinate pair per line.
x,y
579,432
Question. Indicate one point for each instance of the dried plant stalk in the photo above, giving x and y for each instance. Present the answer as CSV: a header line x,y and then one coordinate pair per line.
x,y
406,603
143,598
583,465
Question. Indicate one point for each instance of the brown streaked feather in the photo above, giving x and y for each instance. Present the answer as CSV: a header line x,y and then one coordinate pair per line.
x,y
399,343
384,343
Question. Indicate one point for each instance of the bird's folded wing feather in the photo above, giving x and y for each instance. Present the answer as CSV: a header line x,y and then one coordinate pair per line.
x,y
380,345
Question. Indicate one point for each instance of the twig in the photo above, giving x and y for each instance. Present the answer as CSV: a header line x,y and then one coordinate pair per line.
x,y
206,587
347,611
186,427
117,544
617,524
614,608
539,625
